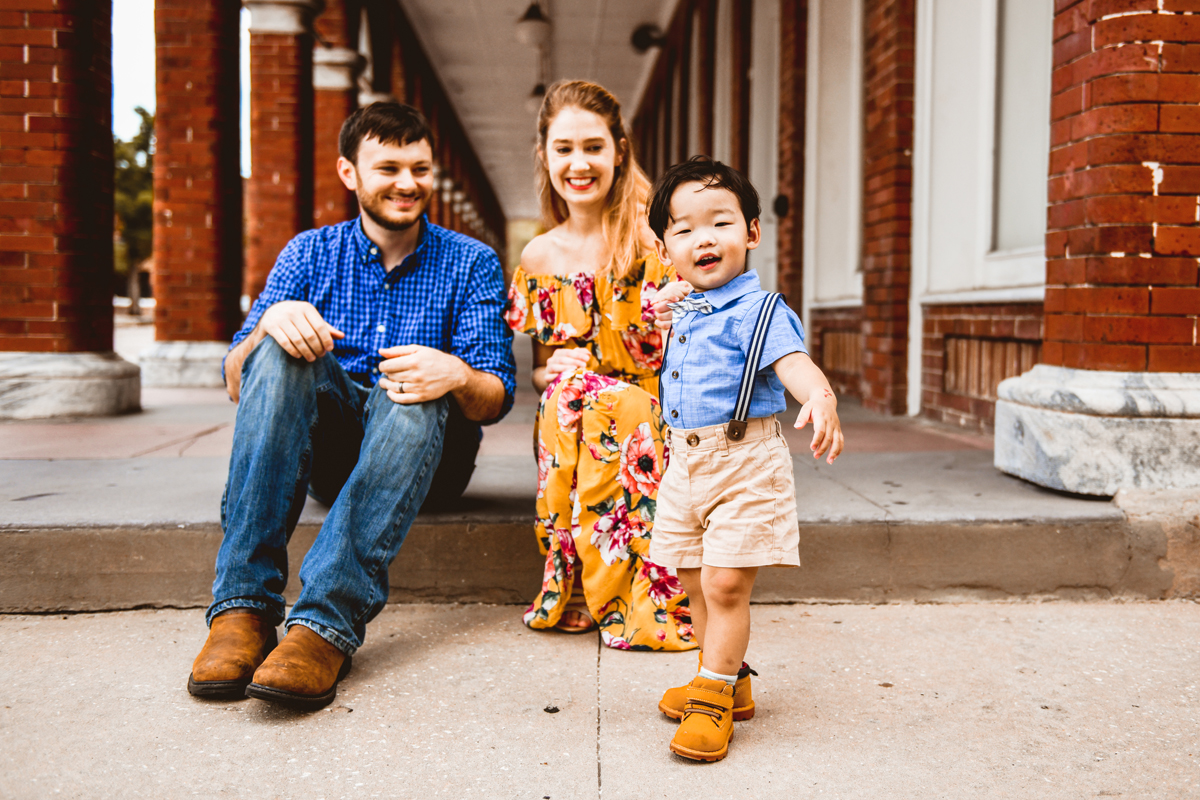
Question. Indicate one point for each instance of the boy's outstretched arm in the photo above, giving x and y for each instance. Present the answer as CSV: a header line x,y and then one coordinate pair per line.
x,y
808,384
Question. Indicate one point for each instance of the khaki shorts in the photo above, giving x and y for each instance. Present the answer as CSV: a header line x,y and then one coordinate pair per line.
x,y
727,504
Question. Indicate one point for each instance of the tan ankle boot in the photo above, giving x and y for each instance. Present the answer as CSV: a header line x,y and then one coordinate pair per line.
x,y
238,641
675,698
302,672
707,723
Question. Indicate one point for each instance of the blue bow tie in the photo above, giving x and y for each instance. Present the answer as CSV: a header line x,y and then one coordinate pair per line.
x,y
690,304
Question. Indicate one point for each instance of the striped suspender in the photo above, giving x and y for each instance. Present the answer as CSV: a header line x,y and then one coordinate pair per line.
x,y
736,430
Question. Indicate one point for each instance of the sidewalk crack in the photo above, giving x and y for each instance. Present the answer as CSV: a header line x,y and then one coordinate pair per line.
x,y
189,440
599,651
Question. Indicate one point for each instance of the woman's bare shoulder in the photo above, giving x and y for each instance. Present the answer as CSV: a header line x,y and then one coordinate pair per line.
x,y
539,256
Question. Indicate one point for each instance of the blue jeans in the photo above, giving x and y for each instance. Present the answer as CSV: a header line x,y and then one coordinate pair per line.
x,y
300,423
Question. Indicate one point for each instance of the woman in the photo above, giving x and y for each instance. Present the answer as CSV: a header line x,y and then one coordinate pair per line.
x,y
583,293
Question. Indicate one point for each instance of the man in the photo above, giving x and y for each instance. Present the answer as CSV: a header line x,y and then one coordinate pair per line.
x,y
362,375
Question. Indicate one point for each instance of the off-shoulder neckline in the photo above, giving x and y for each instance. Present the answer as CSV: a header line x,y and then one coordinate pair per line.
x,y
521,267
554,274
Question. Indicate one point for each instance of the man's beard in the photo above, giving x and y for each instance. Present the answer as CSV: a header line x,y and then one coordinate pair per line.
x,y
371,207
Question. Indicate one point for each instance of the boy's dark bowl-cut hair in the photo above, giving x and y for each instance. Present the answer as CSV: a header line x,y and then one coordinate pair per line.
x,y
389,122
699,169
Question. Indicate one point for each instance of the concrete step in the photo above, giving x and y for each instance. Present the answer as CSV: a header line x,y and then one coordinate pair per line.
x,y
88,535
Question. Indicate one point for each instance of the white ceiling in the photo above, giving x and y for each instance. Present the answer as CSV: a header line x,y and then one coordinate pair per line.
x,y
489,75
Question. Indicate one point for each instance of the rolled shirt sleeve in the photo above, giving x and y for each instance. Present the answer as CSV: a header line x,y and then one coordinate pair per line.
x,y
288,280
480,337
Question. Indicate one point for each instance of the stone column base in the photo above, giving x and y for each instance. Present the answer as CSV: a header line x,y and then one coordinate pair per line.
x,y
1094,432
183,364
35,385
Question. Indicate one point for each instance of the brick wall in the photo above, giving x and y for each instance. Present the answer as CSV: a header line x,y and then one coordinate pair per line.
x,y
197,185
835,341
1123,290
887,200
967,350
793,40
332,203
280,196
56,176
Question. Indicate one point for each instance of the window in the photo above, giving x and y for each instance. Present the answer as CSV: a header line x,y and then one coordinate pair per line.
x,y
1022,150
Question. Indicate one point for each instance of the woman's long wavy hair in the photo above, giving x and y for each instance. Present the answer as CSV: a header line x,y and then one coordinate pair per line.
x,y
630,187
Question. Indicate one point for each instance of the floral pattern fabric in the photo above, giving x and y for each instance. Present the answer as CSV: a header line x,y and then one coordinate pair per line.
x,y
601,452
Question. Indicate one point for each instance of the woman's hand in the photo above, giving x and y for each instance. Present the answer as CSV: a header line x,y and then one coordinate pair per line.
x,y
564,360
672,292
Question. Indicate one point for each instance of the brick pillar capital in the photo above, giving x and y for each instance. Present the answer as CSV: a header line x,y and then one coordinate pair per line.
x,y
336,68
292,17
366,98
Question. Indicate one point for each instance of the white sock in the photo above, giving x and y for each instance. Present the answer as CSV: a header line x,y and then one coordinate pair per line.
x,y
715,676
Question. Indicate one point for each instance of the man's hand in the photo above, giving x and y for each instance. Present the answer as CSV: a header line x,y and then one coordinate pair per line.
x,y
672,292
413,373
299,329
821,410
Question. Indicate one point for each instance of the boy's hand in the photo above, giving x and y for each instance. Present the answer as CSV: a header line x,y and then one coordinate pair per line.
x,y
821,410
672,292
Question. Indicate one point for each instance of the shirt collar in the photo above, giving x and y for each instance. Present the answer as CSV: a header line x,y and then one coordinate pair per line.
x,y
370,250
729,293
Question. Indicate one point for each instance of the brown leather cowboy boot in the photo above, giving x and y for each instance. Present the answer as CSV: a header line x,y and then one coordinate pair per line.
x,y
302,672
238,641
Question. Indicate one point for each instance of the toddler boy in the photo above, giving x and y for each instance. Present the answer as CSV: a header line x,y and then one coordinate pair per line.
x,y
727,503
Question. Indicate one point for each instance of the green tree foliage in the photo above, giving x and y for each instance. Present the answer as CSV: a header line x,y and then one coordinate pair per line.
x,y
133,184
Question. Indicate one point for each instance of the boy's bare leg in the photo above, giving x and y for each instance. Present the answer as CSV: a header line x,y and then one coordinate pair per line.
x,y
725,633
690,579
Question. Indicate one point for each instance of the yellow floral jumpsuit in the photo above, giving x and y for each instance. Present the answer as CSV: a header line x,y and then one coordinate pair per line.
x,y
601,454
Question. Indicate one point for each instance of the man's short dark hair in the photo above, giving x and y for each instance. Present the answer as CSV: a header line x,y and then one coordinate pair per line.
x,y
699,169
389,122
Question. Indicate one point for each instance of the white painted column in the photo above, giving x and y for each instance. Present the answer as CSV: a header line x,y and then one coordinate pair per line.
x,y
764,134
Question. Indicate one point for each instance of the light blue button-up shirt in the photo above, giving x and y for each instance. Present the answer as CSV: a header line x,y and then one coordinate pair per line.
x,y
707,352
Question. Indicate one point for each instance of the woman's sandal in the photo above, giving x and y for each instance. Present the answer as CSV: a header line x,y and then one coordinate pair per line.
x,y
577,608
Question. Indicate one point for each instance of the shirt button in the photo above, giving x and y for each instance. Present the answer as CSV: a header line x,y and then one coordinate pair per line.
x,y
693,439
381,328
675,374
374,250
675,414
682,338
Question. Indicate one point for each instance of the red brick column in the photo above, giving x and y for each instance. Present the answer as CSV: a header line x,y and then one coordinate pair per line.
x,y
793,45
197,182
336,67
280,192
56,176
1123,237
335,92
887,200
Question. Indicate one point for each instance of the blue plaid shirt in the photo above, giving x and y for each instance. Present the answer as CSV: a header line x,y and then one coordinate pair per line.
x,y
703,367
449,294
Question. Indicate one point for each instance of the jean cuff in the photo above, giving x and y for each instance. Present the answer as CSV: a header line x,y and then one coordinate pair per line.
x,y
326,633
270,610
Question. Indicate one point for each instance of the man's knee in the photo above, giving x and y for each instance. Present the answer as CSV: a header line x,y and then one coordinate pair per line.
x,y
268,362
407,425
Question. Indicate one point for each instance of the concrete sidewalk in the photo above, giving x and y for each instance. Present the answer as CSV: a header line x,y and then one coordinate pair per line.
x,y
1056,700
